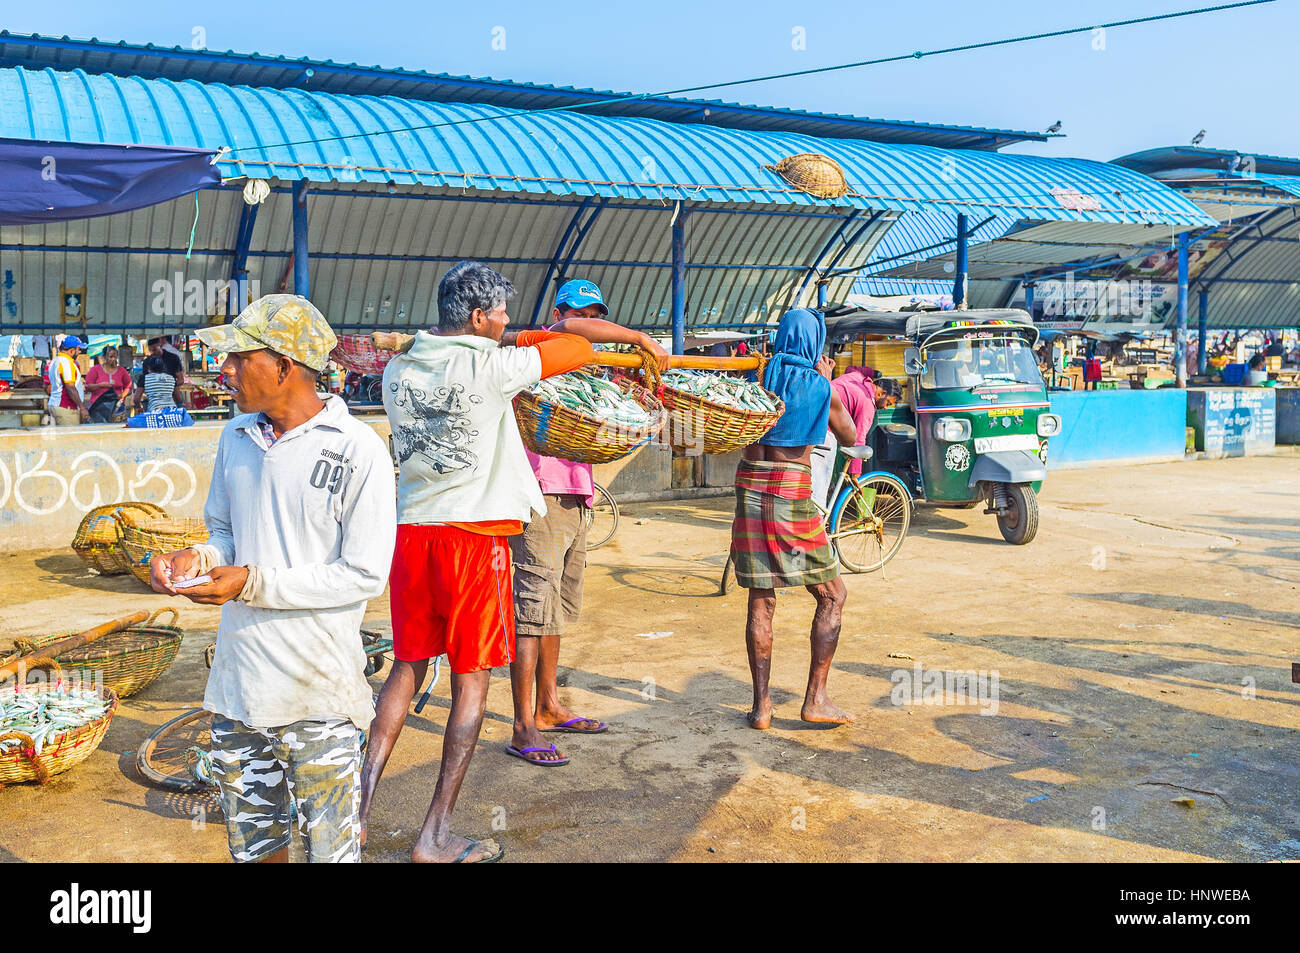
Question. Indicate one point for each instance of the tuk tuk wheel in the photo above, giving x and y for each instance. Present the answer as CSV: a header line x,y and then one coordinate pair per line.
x,y
1020,523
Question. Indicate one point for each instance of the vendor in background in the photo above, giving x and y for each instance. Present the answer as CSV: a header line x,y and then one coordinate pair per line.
x,y
1257,372
108,385
550,556
67,401
157,386
163,347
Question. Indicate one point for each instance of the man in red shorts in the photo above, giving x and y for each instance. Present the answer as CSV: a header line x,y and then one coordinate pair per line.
x,y
464,486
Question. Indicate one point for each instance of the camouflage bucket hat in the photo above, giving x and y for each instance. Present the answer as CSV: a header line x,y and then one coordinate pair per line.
x,y
287,324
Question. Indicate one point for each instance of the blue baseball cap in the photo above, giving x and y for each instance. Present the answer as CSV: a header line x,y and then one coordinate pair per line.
x,y
578,294
72,341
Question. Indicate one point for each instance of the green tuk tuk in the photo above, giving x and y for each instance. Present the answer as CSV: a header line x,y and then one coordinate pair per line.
x,y
975,424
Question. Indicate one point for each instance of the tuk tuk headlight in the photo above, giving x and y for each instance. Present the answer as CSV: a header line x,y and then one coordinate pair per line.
x,y
1049,425
952,429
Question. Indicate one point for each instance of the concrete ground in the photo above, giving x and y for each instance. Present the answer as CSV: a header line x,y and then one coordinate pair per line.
x,y
1141,646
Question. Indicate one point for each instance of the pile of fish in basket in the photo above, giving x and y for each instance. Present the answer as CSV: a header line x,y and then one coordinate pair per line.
x,y
584,417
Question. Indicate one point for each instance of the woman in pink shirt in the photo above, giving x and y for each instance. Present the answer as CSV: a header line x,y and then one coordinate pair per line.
x,y
107,384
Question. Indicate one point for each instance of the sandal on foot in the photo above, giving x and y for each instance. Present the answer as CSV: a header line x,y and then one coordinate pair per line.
x,y
487,842
569,726
523,753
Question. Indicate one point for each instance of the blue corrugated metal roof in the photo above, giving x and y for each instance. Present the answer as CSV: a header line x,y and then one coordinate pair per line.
x,y
1286,183
563,153
282,72
1173,158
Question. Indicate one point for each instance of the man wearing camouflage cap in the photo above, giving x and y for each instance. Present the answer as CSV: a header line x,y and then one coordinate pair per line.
x,y
301,518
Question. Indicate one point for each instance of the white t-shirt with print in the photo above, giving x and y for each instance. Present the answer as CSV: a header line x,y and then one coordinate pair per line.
x,y
460,458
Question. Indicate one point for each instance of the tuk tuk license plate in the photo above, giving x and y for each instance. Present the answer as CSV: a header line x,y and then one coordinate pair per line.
x,y
1011,441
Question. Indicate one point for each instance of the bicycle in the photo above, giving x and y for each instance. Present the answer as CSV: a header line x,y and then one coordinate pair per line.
x,y
867,523
603,522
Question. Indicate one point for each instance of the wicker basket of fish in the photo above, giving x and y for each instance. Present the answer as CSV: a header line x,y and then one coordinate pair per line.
x,y
583,417
125,661
96,538
48,728
711,413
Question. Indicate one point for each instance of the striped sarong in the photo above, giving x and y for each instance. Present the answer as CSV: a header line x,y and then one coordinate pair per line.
x,y
778,538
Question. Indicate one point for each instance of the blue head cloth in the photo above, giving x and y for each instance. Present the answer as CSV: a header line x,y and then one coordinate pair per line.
x,y
792,375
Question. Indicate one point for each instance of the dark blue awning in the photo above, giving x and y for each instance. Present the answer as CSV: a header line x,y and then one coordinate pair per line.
x,y
43,182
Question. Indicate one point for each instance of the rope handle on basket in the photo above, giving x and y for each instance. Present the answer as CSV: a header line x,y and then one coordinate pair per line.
x,y
26,667
650,378
157,612
28,750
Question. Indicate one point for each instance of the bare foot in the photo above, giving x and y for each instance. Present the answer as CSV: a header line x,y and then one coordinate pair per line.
x,y
760,716
363,833
824,713
448,853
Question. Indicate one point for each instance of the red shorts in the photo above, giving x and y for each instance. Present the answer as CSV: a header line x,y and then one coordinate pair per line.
x,y
450,593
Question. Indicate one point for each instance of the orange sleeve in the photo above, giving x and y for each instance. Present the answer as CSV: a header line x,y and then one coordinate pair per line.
x,y
559,352
492,527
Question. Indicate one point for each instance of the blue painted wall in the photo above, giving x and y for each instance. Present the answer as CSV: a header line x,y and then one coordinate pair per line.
x,y
1101,425
1288,415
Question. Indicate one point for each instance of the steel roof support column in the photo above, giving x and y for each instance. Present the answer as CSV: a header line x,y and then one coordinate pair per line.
x,y
959,283
1029,300
300,238
238,296
542,292
1202,325
1180,329
679,278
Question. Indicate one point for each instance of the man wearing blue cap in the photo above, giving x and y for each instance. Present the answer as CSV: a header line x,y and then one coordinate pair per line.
x,y
550,556
67,401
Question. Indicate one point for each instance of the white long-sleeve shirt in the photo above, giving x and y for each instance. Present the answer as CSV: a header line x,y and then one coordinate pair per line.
x,y
314,514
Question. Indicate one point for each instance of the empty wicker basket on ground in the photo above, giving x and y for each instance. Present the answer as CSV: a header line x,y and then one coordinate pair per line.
x,y
139,542
357,353
60,751
696,425
552,430
96,538
124,661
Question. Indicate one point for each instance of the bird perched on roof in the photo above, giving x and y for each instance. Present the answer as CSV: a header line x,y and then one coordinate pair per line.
x,y
1196,139
1055,127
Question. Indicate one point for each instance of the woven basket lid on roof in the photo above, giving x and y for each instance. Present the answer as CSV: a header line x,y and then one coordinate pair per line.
x,y
813,173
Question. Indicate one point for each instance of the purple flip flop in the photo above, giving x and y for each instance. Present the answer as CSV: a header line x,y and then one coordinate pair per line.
x,y
523,753
568,726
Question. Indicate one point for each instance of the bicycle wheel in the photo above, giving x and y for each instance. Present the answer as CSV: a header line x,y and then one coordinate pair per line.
x,y
870,521
604,519
167,757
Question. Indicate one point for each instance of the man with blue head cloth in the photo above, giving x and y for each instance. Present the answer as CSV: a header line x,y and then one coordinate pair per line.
x,y
779,538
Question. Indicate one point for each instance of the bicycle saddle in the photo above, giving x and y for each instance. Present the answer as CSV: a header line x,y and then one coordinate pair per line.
x,y
862,452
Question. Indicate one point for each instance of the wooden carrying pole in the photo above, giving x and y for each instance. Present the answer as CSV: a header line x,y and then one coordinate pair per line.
x,y
82,638
392,341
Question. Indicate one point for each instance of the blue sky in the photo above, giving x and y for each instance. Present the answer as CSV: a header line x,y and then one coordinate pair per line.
x,y
1233,74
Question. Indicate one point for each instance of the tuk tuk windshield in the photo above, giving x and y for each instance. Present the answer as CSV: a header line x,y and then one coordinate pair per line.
x,y
974,361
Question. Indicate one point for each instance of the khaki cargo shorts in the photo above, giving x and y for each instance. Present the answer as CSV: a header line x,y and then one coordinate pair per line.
x,y
314,764
550,561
